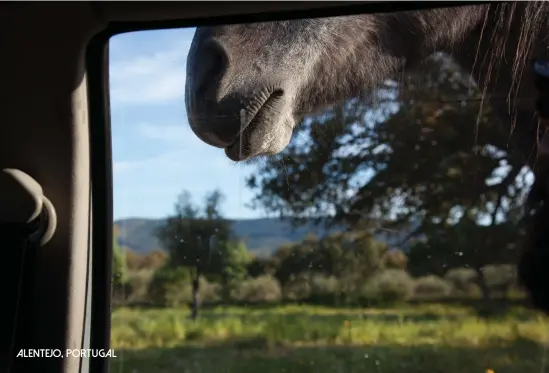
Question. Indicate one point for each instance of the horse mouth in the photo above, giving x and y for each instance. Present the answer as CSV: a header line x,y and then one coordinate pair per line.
x,y
246,144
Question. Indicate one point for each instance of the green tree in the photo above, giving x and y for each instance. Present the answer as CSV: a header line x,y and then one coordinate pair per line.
x,y
465,244
196,239
294,259
260,266
235,259
202,241
415,161
352,257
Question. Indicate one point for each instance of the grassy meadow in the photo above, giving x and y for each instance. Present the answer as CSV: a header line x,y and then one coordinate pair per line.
x,y
286,339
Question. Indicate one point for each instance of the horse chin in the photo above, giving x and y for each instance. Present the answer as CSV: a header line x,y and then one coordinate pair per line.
x,y
264,140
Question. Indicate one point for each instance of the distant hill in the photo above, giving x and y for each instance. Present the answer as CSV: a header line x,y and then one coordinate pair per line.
x,y
262,236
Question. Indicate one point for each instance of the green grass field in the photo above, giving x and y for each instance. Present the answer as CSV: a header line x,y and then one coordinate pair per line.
x,y
303,339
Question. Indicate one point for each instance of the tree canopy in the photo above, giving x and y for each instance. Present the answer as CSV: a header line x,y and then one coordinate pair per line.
x,y
426,156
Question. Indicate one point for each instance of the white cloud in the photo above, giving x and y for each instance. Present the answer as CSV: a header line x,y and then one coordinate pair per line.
x,y
150,78
174,159
181,160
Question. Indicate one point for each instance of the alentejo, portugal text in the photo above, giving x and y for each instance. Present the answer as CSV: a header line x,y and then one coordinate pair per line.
x,y
46,352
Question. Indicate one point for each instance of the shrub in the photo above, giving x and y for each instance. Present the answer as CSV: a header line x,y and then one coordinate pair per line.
x,y
169,286
154,260
463,281
499,274
389,285
151,261
429,287
209,292
315,287
137,285
395,259
259,289
500,279
324,285
324,289
297,287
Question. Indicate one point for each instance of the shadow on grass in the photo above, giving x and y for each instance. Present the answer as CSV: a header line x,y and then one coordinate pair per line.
x,y
258,355
492,311
447,301
338,317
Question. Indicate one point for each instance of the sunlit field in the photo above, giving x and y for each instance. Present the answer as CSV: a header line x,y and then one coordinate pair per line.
x,y
422,338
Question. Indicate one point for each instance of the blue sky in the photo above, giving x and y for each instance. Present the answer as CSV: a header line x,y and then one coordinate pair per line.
x,y
155,153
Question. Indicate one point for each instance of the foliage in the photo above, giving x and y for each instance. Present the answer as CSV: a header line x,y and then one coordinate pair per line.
x,y
297,287
423,161
395,258
463,244
463,280
201,241
171,287
431,287
150,261
313,287
119,262
389,285
235,260
259,289
501,279
323,286
336,255
167,286
137,286
261,266
194,238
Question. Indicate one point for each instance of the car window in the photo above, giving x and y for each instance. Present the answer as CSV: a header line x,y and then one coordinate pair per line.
x,y
338,194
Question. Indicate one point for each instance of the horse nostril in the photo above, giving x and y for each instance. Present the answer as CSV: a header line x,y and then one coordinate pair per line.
x,y
277,93
215,63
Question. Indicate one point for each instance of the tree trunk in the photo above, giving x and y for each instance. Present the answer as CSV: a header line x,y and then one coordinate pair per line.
x,y
226,289
506,290
481,280
195,296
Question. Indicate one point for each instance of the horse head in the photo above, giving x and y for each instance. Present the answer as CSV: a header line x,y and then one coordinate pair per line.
x,y
249,84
